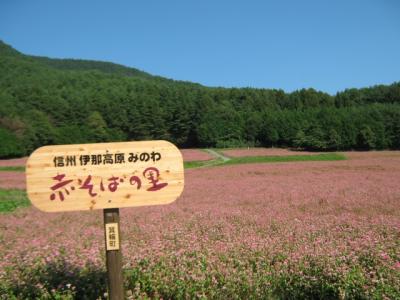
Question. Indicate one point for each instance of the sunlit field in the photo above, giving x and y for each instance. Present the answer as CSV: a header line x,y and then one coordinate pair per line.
x,y
306,229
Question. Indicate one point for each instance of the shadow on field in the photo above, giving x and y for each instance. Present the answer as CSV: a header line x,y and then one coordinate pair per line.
x,y
56,280
194,277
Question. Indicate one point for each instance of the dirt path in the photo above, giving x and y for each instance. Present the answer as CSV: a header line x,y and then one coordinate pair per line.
x,y
218,159
218,155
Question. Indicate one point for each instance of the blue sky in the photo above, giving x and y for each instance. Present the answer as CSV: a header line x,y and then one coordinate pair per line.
x,y
327,45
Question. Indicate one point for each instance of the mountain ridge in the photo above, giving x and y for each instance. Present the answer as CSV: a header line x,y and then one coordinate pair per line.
x,y
73,64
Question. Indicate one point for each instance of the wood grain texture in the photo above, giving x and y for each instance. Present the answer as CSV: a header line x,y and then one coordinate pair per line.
x,y
98,184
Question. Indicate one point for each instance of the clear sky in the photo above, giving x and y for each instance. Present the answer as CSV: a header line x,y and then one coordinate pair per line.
x,y
327,45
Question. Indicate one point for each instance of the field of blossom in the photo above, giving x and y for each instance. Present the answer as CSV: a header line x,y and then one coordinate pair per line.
x,y
14,162
296,230
11,179
195,155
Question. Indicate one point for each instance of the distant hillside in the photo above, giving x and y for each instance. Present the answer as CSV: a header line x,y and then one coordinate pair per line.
x,y
87,65
77,64
83,65
63,101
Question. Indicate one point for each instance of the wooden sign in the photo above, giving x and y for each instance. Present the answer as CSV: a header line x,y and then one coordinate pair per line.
x,y
112,236
104,175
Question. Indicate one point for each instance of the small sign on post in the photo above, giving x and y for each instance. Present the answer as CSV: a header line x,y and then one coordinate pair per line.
x,y
112,236
105,176
113,254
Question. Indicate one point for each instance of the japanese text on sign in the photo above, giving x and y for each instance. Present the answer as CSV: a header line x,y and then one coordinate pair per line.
x,y
105,159
104,175
112,236
63,187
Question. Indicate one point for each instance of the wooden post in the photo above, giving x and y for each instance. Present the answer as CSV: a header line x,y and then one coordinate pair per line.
x,y
113,254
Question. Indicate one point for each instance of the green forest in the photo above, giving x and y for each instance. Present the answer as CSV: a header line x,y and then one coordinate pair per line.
x,y
64,101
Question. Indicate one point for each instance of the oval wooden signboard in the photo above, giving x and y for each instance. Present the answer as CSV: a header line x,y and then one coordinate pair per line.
x,y
104,175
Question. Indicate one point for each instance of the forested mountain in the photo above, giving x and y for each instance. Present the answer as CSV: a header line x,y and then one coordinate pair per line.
x,y
62,101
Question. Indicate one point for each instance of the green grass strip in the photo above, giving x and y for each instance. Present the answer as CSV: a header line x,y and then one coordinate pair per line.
x,y
13,168
288,158
202,163
265,159
11,199
194,164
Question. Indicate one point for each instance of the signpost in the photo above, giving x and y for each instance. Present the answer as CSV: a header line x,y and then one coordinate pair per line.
x,y
105,176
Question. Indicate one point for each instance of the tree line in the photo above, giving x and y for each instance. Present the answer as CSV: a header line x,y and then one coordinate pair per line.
x,y
51,101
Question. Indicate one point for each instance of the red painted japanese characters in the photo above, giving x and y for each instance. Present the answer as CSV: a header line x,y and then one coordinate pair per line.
x,y
104,175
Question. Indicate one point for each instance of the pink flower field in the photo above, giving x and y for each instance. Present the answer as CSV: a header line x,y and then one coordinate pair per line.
x,y
195,155
11,180
296,230
15,162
